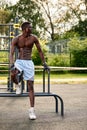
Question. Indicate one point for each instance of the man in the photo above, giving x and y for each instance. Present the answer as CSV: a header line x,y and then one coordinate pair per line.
x,y
24,43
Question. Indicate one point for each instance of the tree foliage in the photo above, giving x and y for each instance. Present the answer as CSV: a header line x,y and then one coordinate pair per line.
x,y
81,28
78,51
4,16
69,34
86,4
61,16
59,60
35,54
28,10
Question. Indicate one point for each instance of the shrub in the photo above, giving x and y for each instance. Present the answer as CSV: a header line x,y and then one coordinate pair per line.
x,y
59,60
78,50
4,57
35,55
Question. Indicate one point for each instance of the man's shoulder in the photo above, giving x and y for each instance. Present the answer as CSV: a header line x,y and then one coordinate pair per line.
x,y
33,35
16,38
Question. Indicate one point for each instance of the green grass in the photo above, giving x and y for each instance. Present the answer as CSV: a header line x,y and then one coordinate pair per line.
x,y
53,76
69,75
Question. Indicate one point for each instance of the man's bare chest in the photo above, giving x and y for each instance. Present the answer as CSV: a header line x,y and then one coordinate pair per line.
x,y
25,42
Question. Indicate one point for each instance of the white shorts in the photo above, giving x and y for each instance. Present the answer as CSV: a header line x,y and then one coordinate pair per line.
x,y
27,66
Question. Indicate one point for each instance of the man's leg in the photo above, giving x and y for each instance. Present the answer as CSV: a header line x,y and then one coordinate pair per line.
x,y
32,99
31,92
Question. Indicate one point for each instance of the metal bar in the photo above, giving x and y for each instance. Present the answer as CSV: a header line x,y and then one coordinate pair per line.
x,y
16,33
27,86
13,94
56,104
10,83
62,105
38,95
5,50
3,64
48,81
9,24
43,80
4,36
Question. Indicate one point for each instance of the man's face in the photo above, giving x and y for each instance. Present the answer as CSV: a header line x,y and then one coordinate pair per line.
x,y
29,29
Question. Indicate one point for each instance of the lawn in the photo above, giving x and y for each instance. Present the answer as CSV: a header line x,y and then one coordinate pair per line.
x,y
53,76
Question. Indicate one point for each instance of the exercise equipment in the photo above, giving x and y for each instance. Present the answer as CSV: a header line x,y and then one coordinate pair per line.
x,y
45,93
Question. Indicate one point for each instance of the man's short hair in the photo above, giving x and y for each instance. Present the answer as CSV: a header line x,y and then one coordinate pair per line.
x,y
24,25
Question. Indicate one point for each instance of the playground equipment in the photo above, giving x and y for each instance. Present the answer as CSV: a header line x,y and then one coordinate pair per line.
x,y
10,85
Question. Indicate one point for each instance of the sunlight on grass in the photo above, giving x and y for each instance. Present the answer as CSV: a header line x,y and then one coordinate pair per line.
x,y
53,76
67,78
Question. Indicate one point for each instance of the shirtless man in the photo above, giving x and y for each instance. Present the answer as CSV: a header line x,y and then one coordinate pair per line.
x,y
24,43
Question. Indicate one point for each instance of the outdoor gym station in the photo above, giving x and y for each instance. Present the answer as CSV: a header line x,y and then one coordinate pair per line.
x,y
13,30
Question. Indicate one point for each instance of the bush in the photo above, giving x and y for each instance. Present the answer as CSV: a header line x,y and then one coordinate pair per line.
x,y
59,60
4,57
35,55
78,50
79,58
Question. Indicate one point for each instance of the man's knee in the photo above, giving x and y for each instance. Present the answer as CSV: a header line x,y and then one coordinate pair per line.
x,y
30,85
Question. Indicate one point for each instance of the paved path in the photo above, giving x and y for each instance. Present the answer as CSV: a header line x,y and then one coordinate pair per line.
x,y
14,114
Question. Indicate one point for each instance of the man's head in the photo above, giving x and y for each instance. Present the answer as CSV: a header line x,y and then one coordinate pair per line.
x,y
26,26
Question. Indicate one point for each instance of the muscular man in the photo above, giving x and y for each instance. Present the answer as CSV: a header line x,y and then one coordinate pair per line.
x,y
24,43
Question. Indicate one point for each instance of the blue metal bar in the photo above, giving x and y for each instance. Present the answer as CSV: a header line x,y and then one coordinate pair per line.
x,y
43,80
48,81
62,105
56,104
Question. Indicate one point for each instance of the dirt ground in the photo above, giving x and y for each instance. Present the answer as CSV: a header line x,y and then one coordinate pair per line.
x,y
14,110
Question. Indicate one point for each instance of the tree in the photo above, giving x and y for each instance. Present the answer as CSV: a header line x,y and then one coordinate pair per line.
x,y
4,3
35,54
78,50
49,26
69,34
60,16
4,18
86,4
28,10
81,28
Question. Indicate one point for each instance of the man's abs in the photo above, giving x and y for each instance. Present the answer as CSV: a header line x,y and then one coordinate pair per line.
x,y
25,46
25,53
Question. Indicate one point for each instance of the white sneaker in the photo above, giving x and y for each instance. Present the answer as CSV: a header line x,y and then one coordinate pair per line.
x,y
32,115
18,89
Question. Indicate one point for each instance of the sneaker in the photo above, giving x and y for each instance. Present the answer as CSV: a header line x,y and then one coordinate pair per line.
x,y
18,89
32,115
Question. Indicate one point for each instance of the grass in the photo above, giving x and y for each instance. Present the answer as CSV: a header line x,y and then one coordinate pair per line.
x,y
54,76
69,75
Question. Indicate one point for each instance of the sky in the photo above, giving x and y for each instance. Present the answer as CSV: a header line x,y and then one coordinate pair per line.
x,y
13,1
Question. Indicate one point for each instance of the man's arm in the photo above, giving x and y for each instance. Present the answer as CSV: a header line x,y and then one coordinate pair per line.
x,y
41,54
12,50
40,50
